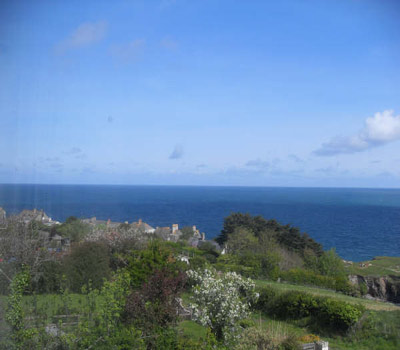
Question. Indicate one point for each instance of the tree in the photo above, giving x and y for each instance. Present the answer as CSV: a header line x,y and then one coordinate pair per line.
x,y
104,329
144,263
15,316
221,301
268,231
241,240
22,245
187,232
330,264
74,229
154,304
87,263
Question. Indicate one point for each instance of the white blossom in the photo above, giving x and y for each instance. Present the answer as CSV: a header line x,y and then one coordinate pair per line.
x,y
221,300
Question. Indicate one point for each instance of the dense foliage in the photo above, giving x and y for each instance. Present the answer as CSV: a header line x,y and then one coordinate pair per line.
x,y
129,290
88,261
308,277
337,315
221,301
286,235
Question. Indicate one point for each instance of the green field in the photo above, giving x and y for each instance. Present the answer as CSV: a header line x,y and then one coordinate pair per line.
x,y
369,304
379,266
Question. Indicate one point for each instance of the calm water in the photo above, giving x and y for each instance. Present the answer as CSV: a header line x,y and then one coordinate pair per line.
x,y
360,223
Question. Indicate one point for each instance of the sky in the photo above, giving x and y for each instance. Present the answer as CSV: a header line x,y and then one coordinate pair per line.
x,y
207,92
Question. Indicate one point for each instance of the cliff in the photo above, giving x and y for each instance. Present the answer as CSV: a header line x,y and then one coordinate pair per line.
x,y
385,288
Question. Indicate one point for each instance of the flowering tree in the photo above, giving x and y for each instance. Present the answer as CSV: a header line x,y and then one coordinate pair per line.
x,y
221,300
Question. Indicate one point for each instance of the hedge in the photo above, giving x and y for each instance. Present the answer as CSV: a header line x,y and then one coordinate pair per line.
x,y
337,315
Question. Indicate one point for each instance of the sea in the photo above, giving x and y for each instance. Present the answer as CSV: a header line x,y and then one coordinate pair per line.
x,y
360,223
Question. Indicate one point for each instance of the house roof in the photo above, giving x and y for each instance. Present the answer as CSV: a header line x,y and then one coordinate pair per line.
x,y
140,225
34,214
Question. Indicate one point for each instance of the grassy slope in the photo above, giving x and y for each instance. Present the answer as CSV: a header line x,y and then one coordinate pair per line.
x,y
369,304
51,305
379,266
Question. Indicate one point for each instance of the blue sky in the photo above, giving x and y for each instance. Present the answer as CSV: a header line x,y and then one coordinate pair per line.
x,y
253,93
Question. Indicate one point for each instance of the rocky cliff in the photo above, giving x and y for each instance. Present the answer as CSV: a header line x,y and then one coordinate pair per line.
x,y
385,288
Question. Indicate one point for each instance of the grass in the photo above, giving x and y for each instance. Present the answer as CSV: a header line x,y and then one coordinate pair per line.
x,y
383,336
368,304
192,330
379,266
48,308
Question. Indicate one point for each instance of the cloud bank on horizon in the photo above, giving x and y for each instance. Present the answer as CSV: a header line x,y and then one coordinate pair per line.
x,y
380,129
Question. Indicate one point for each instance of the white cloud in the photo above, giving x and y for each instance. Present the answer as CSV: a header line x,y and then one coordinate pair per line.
x,y
86,34
380,129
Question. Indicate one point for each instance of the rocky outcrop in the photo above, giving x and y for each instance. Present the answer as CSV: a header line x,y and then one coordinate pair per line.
x,y
385,288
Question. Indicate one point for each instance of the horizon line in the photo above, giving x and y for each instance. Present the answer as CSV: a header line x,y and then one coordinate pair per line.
x,y
166,185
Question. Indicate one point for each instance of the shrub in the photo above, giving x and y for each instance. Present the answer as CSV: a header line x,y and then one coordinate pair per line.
x,y
144,263
301,276
221,301
338,315
48,277
154,305
309,338
266,299
294,305
87,263
250,264
275,338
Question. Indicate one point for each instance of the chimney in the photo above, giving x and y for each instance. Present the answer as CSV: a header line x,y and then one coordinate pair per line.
x,y
139,221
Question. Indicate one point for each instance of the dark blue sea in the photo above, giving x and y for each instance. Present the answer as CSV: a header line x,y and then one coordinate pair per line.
x,y
360,223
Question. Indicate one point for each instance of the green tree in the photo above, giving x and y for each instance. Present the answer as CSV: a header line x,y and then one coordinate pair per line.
x,y
20,335
330,264
74,229
88,261
144,263
241,240
187,232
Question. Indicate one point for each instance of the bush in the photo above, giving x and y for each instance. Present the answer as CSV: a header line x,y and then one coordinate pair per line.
x,y
250,265
48,277
154,305
267,296
87,263
294,305
221,301
144,263
256,338
301,276
338,315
